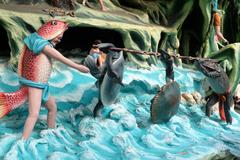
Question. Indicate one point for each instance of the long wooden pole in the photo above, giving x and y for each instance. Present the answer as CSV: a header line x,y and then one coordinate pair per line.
x,y
160,53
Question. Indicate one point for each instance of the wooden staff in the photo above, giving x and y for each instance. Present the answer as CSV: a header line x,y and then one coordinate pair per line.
x,y
162,52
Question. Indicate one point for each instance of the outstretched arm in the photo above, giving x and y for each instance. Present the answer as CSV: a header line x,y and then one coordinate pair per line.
x,y
219,34
51,52
217,26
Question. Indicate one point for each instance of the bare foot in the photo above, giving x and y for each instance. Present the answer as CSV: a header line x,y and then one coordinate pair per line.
x,y
103,9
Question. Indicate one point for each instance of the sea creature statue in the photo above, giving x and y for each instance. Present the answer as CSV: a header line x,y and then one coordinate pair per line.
x,y
109,76
33,68
165,103
220,85
112,80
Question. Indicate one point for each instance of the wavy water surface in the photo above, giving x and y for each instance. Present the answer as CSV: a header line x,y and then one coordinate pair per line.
x,y
122,130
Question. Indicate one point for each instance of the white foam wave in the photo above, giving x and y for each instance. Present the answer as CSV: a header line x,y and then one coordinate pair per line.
x,y
60,79
75,95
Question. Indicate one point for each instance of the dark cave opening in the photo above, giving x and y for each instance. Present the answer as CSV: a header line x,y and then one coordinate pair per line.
x,y
191,36
4,47
231,23
77,41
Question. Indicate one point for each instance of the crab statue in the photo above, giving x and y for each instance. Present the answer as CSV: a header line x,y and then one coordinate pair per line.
x,y
219,83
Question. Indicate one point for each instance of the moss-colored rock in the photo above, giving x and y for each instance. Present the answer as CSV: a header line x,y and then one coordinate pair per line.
x,y
229,58
135,33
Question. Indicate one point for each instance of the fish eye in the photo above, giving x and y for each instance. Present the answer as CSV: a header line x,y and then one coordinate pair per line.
x,y
54,22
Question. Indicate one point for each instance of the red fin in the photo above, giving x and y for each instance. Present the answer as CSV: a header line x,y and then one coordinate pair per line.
x,y
4,108
10,101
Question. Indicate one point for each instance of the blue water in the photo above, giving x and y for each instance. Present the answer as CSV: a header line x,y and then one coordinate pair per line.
x,y
123,130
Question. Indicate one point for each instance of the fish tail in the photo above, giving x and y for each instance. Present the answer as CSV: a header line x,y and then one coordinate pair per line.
x,y
10,101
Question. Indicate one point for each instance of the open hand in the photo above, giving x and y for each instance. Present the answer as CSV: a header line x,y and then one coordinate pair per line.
x,y
83,69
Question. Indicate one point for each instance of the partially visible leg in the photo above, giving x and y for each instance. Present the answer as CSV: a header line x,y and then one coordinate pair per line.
x,y
221,110
52,112
34,99
84,2
227,105
102,5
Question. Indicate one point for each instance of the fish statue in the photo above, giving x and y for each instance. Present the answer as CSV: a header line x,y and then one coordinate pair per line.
x,y
36,68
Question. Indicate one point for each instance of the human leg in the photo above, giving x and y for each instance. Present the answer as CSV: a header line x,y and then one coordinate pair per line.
x,y
34,100
52,112
84,2
102,5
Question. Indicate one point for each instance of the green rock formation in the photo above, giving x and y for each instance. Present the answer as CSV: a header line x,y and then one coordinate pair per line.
x,y
229,58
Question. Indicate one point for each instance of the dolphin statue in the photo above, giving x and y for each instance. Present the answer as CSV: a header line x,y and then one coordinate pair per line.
x,y
109,76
